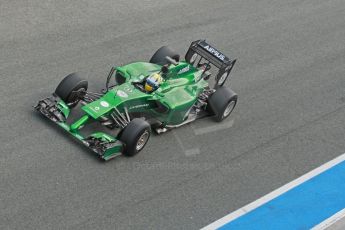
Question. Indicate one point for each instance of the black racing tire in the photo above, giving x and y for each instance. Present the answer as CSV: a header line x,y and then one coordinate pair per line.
x,y
159,56
135,136
70,83
221,103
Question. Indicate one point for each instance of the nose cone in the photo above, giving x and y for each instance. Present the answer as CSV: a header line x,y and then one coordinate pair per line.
x,y
97,108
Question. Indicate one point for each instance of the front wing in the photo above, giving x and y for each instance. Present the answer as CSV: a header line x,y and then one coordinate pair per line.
x,y
106,146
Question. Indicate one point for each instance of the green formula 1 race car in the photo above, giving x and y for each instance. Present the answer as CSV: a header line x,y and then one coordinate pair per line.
x,y
158,95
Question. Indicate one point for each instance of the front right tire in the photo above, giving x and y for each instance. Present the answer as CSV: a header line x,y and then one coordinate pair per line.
x,y
135,136
69,86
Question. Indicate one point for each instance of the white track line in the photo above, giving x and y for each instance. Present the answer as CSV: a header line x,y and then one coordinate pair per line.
x,y
330,221
214,128
274,194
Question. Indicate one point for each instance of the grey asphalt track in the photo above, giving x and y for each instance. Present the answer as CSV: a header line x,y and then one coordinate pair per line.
x,y
339,225
290,118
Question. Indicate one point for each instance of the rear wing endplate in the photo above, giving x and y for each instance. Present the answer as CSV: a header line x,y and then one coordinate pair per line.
x,y
200,50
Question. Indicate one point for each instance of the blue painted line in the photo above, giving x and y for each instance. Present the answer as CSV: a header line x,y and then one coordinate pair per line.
x,y
302,207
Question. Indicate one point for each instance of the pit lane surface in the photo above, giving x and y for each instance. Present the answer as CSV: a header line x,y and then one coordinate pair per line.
x,y
289,119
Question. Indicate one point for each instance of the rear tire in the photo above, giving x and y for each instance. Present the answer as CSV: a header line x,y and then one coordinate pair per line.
x,y
70,84
221,103
135,136
159,56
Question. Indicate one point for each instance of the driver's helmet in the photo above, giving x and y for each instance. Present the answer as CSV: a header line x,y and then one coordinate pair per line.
x,y
153,82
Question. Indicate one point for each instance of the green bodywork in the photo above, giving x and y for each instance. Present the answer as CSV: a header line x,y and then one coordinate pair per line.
x,y
177,94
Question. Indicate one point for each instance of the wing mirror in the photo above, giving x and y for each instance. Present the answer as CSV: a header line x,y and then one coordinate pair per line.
x,y
165,68
171,60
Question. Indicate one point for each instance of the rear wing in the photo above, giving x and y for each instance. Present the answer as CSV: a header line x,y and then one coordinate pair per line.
x,y
200,50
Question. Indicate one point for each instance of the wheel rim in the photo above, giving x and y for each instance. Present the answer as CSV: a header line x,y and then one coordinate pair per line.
x,y
222,78
142,140
229,108
193,58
